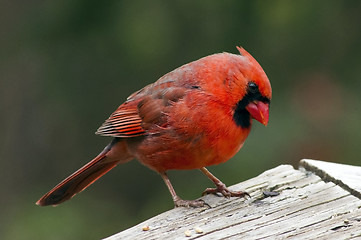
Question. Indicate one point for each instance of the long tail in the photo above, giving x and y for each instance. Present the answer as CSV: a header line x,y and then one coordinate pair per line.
x,y
81,179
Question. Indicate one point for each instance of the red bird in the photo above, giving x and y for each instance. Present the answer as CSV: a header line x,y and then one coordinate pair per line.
x,y
198,115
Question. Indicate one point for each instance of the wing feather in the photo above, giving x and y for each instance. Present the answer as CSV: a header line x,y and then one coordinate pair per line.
x,y
144,111
124,122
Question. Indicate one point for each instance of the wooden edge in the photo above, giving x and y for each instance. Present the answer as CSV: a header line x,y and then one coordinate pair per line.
x,y
320,203
346,176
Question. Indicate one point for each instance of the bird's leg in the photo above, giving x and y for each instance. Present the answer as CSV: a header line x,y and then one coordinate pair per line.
x,y
178,202
221,187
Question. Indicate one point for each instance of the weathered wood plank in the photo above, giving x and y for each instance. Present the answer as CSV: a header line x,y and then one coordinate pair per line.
x,y
346,176
306,208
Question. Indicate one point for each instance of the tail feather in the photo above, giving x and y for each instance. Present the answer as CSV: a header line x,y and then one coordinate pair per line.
x,y
79,180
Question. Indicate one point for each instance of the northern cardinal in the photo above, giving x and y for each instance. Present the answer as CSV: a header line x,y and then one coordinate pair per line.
x,y
198,115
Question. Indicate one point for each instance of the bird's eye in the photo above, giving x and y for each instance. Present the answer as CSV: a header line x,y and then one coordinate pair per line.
x,y
252,87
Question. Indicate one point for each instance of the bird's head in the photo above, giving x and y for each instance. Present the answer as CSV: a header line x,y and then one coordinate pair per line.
x,y
238,81
256,92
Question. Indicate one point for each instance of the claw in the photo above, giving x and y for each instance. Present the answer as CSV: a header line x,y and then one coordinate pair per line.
x,y
222,189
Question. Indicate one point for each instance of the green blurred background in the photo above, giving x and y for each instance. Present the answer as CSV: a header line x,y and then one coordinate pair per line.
x,y
66,65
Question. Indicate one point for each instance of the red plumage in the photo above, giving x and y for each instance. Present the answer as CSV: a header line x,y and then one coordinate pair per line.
x,y
198,115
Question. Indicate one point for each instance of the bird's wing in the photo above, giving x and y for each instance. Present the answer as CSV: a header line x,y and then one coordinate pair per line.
x,y
124,122
144,111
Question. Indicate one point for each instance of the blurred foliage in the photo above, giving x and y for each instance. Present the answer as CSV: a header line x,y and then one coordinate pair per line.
x,y
66,65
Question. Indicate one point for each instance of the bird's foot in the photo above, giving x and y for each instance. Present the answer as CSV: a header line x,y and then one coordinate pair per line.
x,y
222,189
189,203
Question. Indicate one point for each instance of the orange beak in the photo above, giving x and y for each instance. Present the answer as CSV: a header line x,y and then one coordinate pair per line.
x,y
259,111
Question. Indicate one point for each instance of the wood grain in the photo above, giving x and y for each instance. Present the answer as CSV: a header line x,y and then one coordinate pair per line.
x,y
306,207
346,176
